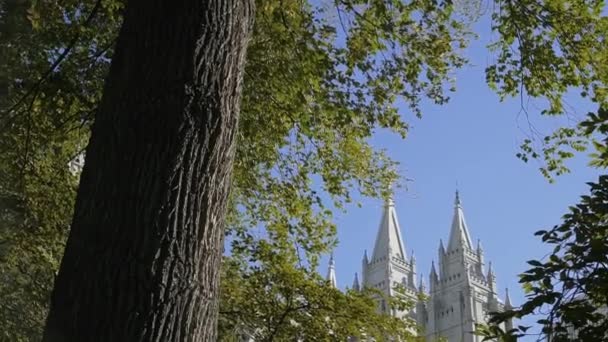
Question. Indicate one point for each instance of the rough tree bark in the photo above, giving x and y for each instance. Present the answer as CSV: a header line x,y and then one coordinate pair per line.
x,y
143,256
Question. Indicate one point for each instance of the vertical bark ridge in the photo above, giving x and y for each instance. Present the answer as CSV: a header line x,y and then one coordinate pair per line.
x,y
142,260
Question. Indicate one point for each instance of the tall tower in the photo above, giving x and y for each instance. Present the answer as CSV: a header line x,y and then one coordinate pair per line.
x,y
461,295
389,265
331,272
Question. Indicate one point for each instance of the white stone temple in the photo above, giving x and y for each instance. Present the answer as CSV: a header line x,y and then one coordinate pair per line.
x,y
461,290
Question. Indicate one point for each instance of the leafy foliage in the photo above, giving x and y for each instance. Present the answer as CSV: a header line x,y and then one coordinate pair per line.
x,y
547,49
321,79
313,96
319,82
42,127
570,288
274,300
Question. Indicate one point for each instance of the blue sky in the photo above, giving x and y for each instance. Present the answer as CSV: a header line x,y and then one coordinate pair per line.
x,y
471,141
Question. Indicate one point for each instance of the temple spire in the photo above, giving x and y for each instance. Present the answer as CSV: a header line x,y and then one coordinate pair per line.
x,y
356,285
331,271
491,278
433,278
388,239
508,304
459,233
421,287
413,260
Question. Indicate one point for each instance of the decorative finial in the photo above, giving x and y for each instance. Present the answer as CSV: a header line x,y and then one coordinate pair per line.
x,y
457,200
390,202
421,286
331,271
356,285
507,299
433,278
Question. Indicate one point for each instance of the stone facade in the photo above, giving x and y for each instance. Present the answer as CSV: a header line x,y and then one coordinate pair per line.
x,y
461,290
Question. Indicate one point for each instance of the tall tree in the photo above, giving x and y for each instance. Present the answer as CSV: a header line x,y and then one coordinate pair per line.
x,y
567,292
142,258
39,135
274,300
322,77
303,84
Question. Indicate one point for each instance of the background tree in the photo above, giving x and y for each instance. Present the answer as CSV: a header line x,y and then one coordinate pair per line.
x,y
274,300
569,289
39,135
548,51
142,258
286,201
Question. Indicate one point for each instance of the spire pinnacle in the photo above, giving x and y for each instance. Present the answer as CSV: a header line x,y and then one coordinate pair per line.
x,y
356,285
421,287
331,271
491,278
508,305
433,274
388,239
459,233
390,202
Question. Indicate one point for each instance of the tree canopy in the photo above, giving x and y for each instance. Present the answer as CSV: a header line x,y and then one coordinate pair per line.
x,y
568,290
275,300
321,79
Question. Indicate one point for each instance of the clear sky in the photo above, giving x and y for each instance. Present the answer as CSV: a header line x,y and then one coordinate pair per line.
x,y
472,142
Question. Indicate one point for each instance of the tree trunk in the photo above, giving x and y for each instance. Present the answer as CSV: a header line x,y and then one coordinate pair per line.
x,y
143,256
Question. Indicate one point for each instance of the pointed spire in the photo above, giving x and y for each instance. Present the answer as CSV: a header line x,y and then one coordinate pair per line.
x,y
388,240
390,201
365,258
433,275
459,233
331,271
491,277
413,264
356,285
480,260
411,276
421,287
508,305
